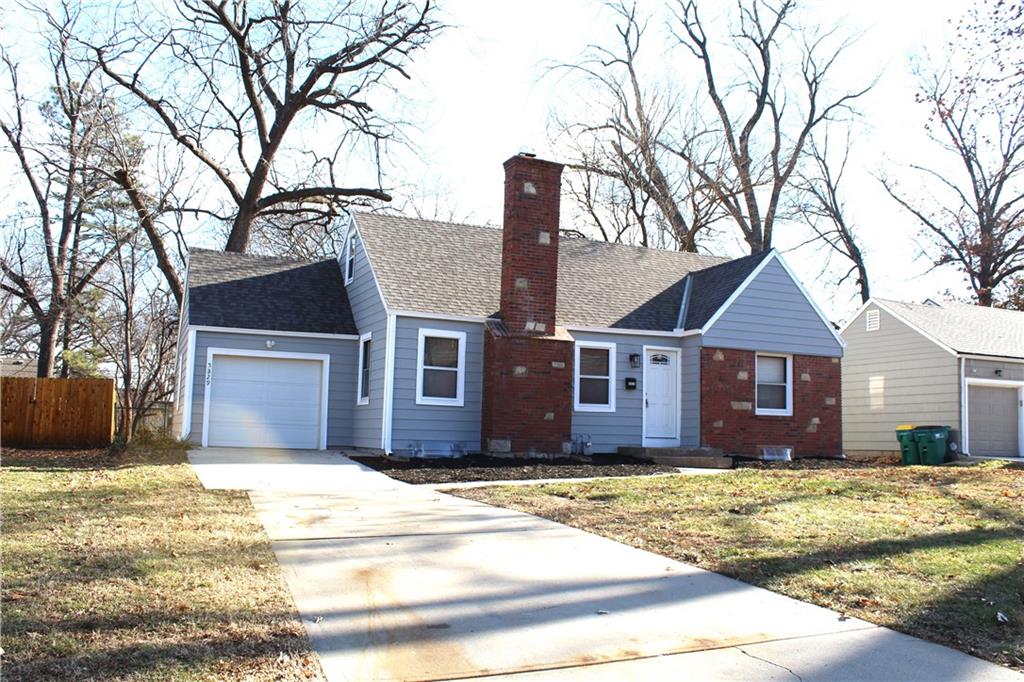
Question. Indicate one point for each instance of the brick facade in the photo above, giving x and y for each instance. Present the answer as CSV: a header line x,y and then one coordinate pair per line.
x,y
527,387
527,392
728,420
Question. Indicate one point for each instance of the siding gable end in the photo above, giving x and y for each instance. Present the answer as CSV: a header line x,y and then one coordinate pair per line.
x,y
772,312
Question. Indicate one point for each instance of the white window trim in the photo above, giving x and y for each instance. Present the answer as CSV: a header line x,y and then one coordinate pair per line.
x,y
350,255
788,412
612,361
460,382
360,399
325,374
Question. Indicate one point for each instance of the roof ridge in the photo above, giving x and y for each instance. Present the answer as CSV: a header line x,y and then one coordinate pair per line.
x,y
733,261
635,247
453,223
255,256
942,304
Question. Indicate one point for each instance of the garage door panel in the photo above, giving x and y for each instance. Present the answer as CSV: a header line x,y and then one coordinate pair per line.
x,y
994,417
264,402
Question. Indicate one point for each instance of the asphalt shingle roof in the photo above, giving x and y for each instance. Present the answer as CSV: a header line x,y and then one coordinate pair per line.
x,y
965,328
266,292
455,269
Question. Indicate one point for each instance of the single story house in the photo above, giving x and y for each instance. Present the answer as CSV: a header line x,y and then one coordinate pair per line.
x,y
946,364
427,337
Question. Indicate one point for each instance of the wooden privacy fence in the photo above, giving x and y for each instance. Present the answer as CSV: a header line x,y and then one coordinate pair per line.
x,y
56,413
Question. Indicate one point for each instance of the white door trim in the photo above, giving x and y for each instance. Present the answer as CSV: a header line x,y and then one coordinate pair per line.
x,y
965,437
662,442
325,374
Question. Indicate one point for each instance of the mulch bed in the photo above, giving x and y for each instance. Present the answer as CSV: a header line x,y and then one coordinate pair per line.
x,y
483,468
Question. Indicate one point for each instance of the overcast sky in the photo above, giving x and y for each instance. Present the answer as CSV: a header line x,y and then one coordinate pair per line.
x,y
481,96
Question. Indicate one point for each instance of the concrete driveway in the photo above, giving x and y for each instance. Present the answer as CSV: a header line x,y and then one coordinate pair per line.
x,y
398,582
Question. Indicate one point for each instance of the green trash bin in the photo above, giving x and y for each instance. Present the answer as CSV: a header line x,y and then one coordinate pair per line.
x,y
908,445
931,443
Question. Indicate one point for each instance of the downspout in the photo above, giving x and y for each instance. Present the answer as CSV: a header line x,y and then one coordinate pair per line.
x,y
389,382
964,426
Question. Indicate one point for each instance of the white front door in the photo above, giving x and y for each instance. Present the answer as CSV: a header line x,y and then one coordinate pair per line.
x,y
661,397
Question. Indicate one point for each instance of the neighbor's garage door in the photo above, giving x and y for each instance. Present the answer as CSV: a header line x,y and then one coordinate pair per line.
x,y
994,420
264,402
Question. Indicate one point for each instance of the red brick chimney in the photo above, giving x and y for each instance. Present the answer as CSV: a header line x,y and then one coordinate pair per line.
x,y
527,402
529,247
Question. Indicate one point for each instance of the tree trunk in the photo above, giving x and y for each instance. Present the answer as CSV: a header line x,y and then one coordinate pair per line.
x,y
47,347
65,345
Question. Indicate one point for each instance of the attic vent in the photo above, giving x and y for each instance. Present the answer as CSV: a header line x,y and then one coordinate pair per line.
x,y
871,321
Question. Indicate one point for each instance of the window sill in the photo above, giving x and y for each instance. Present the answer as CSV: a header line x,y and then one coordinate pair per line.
x,y
440,402
594,408
363,401
773,413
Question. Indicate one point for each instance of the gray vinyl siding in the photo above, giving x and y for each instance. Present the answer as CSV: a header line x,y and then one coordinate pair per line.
x,y
915,382
773,315
986,369
412,423
370,316
181,377
624,427
690,434
341,388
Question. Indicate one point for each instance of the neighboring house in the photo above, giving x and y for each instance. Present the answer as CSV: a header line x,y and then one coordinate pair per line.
x,y
17,367
947,364
435,338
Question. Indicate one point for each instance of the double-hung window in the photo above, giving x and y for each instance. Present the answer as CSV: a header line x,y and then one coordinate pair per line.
x,y
774,390
350,259
441,367
363,380
594,377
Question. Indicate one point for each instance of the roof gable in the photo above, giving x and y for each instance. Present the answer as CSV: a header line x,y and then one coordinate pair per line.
x,y
771,311
711,288
962,327
246,291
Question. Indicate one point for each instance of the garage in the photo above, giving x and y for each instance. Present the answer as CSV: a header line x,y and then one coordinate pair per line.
x,y
995,414
265,399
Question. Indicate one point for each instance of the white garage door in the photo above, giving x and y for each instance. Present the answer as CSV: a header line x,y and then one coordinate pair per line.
x,y
264,402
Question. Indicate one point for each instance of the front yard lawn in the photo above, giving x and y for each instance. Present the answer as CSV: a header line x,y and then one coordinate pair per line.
x,y
125,568
933,552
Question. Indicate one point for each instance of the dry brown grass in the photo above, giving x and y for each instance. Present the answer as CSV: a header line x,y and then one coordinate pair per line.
x,y
936,552
123,567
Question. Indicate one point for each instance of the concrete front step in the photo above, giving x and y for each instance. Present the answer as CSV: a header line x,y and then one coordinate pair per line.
x,y
702,458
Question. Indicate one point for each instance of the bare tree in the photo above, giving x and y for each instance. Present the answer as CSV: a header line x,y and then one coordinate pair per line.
x,y
622,178
974,217
55,148
135,327
824,210
764,111
234,82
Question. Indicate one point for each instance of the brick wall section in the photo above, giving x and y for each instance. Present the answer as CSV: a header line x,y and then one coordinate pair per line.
x,y
527,392
727,413
529,250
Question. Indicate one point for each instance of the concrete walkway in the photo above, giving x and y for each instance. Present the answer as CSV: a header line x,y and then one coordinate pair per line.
x,y
399,582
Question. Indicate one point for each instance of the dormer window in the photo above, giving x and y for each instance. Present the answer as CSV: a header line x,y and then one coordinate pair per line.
x,y
350,259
